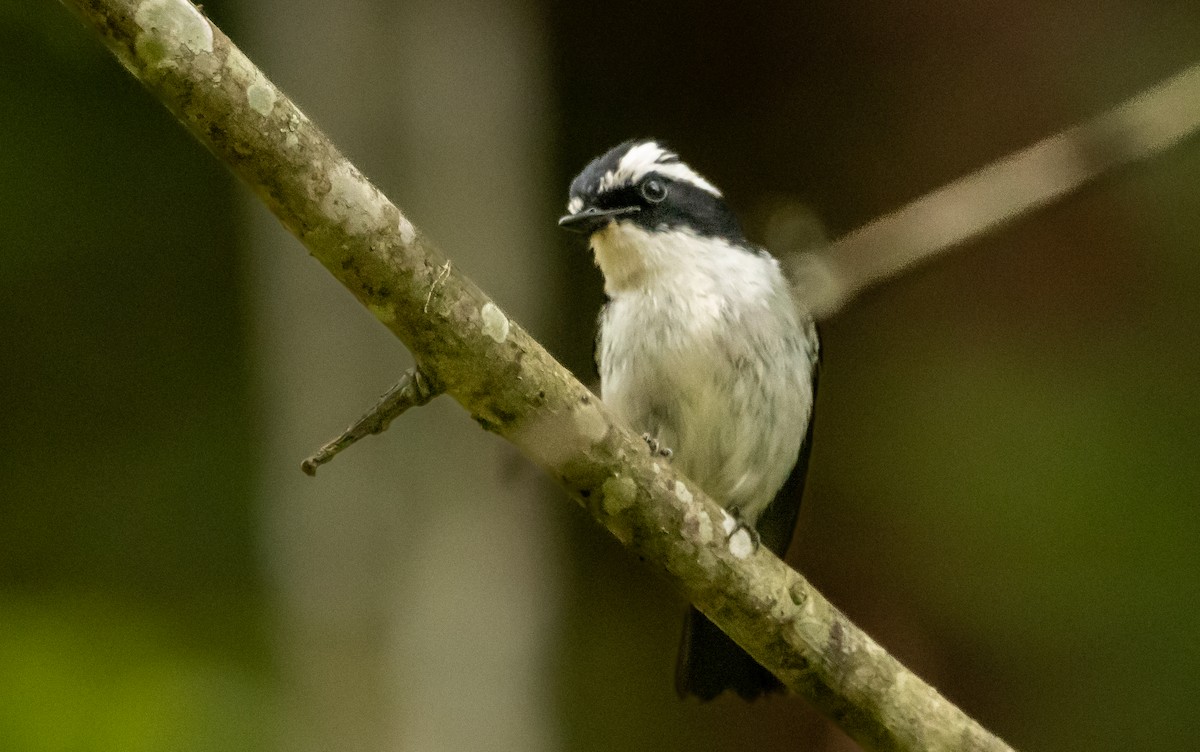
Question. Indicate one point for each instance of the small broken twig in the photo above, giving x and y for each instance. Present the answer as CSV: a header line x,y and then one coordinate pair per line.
x,y
412,390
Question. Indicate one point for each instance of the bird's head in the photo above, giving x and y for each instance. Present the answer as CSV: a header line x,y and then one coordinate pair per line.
x,y
645,184
646,213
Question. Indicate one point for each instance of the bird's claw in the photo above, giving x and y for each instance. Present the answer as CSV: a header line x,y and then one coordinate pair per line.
x,y
655,447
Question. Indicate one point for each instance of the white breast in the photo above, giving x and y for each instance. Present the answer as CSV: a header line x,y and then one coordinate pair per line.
x,y
702,347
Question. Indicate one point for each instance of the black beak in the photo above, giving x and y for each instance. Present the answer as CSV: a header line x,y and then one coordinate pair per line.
x,y
591,219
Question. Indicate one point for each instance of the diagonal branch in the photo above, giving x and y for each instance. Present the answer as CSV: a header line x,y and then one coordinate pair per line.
x,y
464,343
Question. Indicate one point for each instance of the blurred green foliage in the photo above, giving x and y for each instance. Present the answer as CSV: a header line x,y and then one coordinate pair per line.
x,y
92,673
131,609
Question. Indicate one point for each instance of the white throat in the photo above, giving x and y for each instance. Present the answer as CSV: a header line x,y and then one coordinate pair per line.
x,y
632,258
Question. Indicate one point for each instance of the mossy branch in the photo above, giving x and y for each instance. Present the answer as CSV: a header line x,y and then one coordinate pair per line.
x,y
467,347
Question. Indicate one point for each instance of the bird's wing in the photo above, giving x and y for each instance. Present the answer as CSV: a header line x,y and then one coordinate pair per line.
x,y
777,523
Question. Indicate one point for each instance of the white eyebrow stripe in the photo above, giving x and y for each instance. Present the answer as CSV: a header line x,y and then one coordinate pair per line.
x,y
680,171
649,157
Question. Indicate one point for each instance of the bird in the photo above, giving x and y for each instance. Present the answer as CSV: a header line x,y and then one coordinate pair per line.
x,y
703,348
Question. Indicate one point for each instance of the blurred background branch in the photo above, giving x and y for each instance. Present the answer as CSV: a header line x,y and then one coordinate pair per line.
x,y
998,194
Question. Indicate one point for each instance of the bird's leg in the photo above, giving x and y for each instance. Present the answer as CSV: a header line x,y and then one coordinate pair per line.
x,y
655,447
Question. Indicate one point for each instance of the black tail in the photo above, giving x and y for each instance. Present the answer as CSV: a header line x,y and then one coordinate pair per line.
x,y
710,663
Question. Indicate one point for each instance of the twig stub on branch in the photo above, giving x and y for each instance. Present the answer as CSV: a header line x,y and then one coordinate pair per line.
x,y
412,390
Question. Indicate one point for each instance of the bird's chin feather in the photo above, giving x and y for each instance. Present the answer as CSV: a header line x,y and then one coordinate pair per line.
x,y
624,254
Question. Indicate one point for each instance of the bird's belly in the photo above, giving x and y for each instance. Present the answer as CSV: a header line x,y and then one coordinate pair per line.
x,y
734,427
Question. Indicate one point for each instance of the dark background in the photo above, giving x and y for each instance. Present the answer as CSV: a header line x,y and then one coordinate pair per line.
x,y
1004,482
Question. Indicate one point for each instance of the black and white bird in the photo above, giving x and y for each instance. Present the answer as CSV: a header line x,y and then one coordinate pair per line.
x,y
702,347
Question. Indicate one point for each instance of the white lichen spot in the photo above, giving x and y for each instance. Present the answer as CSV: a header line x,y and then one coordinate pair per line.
x,y
352,201
385,313
741,545
169,28
407,232
728,523
495,323
657,468
290,141
261,96
619,494
683,493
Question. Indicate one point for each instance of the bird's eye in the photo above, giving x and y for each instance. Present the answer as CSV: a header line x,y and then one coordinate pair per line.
x,y
654,191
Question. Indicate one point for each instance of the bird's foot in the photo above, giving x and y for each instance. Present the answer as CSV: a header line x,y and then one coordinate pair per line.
x,y
655,447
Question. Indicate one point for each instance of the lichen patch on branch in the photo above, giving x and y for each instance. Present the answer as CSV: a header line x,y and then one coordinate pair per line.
x,y
261,96
495,323
353,202
741,544
407,232
682,491
168,29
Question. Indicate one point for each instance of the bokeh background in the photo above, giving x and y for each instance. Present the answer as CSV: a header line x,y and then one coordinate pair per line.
x,y
1005,480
